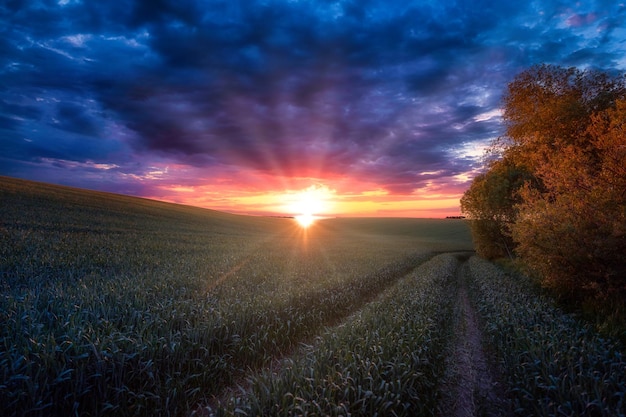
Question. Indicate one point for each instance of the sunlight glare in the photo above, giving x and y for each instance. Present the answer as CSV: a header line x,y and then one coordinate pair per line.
x,y
308,204
305,220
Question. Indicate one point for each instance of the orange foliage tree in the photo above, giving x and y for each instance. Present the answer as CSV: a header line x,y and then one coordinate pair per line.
x,y
567,221
574,232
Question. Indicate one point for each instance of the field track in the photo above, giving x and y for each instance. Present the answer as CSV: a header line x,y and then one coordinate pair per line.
x,y
470,389
465,345
467,387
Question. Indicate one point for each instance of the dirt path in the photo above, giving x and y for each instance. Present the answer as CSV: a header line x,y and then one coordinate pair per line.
x,y
471,389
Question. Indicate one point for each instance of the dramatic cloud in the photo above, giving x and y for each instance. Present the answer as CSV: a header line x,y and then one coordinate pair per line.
x,y
193,101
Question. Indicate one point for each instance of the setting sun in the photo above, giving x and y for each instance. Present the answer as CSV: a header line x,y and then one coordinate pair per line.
x,y
305,220
309,204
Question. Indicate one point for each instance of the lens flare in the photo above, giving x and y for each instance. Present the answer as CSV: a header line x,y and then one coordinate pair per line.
x,y
309,204
305,220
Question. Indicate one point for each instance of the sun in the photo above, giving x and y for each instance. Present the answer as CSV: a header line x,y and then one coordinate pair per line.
x,y
305,220
309,204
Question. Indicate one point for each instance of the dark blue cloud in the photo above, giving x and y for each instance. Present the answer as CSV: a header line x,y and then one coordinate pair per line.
x,y
388,89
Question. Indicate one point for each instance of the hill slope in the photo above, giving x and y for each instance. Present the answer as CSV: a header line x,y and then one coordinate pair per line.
x,y
29,202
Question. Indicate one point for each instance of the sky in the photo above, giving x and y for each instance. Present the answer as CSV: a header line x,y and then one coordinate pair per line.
x,y
277,107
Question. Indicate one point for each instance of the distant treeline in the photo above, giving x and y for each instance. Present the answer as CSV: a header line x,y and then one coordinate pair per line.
x,y
554,192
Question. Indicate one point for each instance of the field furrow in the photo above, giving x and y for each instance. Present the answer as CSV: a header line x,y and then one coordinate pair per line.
x,y
387,359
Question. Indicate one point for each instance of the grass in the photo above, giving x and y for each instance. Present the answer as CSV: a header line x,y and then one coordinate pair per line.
x,y
112,305
385,360
554,365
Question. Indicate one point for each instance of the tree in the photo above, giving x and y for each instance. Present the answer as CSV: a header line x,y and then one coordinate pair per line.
x,y
559,192
490,204
574,233
547,108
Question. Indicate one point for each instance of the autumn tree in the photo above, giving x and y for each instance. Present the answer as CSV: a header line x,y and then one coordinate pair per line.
x,y
548,108
574,232
567,221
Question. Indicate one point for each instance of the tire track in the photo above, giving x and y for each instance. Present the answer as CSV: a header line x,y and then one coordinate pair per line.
x,y
470,388
374,286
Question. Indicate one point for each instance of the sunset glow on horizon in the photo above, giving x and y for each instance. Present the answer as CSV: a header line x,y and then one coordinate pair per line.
x,y
278,107
340,199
